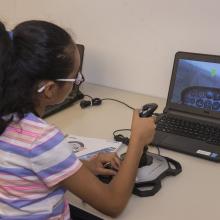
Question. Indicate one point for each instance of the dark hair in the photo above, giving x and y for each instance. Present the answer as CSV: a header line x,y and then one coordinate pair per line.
x,y
34,51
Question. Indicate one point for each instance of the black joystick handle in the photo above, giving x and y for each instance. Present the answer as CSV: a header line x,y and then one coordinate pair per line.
x,y
145,160
147,111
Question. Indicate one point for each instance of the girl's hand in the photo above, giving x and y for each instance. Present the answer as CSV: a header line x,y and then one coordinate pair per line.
x,y
97,164
142,129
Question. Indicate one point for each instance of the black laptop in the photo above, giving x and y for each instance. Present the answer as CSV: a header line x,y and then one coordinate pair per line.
x,y
190,122
75,94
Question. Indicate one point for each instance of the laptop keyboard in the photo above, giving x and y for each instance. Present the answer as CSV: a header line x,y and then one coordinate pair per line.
x,y
195,130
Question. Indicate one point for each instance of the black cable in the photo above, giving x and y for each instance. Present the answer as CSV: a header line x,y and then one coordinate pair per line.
x,y
158,149
155,114
110,100
116,100
125,140
119,130
88,96
120,136
119,102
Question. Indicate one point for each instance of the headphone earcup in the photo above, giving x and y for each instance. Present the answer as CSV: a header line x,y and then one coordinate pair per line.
x,y
96,101
85,103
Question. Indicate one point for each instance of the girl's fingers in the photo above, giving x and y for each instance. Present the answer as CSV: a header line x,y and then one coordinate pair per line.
x,y
115,164
109,158
117,161
107,172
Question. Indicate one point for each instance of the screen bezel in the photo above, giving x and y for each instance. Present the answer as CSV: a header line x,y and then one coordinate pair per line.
x,y
184,108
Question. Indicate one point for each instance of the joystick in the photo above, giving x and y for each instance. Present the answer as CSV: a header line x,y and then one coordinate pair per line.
x,y
146,159
147,111
152,167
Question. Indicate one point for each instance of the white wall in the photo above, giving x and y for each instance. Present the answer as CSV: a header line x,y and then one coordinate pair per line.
x,y
7,9
129,44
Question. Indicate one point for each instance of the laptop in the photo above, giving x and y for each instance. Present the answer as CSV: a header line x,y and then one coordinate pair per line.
x,y
190,122
75,94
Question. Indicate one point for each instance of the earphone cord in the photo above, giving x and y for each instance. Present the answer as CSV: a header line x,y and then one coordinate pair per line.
x,y
111,99
119,102
119,130
88,96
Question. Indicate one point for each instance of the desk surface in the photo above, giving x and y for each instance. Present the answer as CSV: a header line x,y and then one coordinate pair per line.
x,y
194,194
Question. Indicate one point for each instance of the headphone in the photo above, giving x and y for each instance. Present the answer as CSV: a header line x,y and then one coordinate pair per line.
x,y
93,102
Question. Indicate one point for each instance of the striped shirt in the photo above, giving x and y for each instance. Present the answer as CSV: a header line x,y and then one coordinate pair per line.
x,y
34,158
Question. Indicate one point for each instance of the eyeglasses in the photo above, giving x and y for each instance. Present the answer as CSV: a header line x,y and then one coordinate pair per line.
x,y
79,79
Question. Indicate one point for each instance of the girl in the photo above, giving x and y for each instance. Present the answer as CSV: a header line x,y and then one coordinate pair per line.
x,y
39,64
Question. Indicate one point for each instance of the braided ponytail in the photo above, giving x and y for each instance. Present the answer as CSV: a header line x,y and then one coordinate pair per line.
x,y
6,47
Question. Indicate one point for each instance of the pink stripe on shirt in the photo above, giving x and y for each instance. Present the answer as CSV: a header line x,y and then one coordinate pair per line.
x,y
24,132
26,188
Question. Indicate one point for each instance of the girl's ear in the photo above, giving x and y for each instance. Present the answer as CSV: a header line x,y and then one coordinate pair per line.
x,y
50,89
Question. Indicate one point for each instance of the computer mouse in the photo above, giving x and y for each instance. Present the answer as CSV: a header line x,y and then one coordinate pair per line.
x,y
147,110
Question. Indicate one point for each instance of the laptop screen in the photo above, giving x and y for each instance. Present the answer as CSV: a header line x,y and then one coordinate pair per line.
x,y
197,85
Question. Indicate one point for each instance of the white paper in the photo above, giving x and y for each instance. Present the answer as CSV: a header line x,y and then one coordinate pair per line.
x,y
84,147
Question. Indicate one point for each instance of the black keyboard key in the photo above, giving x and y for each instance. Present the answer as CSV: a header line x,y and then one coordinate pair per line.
x,y
194,130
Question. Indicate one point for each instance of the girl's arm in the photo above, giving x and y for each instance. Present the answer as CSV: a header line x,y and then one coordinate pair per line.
x,y
111,198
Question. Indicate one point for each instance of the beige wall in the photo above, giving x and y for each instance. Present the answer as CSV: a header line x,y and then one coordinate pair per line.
x,y
130,44
7,10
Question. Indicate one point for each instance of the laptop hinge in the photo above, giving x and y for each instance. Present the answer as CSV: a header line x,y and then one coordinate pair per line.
x,y
193,117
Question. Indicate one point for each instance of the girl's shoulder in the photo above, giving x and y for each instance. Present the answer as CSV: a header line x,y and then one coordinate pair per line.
x,y
33,121
31,117
37,124
27,135
31,128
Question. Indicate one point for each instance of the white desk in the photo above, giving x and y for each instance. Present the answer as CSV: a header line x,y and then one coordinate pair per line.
x,y
193,194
